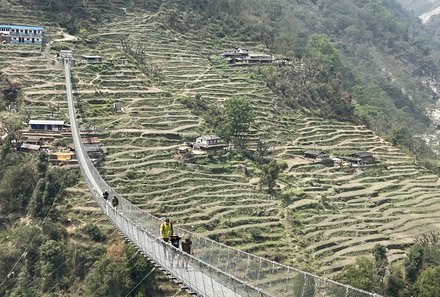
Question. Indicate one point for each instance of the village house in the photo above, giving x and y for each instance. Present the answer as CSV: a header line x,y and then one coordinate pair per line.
x,y
236,52
243,57
47,125
361,158
260,58
91,59
30,148
316,154
15,34
91,145
207,142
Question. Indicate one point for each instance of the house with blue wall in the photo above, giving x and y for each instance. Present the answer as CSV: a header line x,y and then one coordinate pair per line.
x,y
16,34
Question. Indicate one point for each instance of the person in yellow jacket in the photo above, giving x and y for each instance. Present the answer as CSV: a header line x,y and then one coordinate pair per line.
x,y
166,229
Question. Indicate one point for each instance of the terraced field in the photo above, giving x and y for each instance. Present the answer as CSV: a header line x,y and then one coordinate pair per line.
x,y
210,197
332,213
388,202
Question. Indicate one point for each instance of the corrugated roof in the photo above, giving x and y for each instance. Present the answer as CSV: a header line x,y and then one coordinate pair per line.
x,y
46,122
22,27
90,140
29,146
209,137
92,57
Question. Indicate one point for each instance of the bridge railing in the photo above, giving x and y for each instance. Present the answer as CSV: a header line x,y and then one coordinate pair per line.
x,y
215,269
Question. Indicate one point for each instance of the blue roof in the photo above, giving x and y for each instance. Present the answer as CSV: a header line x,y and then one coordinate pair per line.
x,y
22,27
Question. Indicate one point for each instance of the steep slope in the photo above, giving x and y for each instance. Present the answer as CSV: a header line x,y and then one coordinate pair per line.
x,y
326,215
420,7
383,203
42,96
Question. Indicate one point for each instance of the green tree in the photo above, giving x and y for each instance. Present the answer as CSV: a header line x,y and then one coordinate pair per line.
x,y
118,272
42,163
428,284
395,284
414,262
400,136
270,174
137,268
239,115
261,152
52,261
380,253
380,261
16,187
320,50
94,232
360,275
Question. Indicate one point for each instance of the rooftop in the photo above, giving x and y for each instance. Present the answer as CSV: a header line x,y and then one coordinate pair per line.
x,y
91,57
209,137
29,146
33,139
46,122
363,154
22,27
90,140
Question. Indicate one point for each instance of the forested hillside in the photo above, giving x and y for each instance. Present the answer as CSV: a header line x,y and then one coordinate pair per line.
x,y
420,6
362,76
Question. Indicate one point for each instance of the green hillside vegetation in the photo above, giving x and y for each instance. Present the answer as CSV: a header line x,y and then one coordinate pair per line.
x,y
419,6
52,245
418,275
354,63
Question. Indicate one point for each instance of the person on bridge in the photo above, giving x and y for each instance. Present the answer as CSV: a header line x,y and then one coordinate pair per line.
x,y
105,195
115,201
186,248
166,229
175,242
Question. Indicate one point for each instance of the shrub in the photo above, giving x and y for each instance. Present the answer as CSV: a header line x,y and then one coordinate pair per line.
x,y
94,232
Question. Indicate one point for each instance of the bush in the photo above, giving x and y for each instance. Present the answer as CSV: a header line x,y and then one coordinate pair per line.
x,y
94,232
60,46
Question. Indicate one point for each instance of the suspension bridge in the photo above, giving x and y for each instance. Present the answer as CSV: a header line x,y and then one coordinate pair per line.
x,y
216,270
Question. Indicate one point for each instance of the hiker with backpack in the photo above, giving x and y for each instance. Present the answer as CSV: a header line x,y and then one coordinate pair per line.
x,y
175,242
165,232
115,202
186,245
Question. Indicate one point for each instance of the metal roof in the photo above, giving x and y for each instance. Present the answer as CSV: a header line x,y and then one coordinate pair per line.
x,y
92,57
29,146
209,137
22,27
90,140
46,122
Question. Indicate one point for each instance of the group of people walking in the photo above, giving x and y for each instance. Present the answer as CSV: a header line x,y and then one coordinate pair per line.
x,y
114,200
168,235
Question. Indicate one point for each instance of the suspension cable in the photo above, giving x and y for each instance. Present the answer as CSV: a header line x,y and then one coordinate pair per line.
x,y
29,245
151,271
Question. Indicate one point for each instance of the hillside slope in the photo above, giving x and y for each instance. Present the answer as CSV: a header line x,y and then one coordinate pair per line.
x,y
319,218
420,7
383,203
